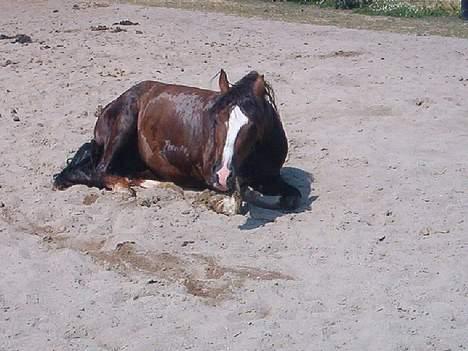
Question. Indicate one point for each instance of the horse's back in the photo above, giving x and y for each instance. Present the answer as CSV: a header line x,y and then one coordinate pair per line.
x,y
146,98
176,108
151,88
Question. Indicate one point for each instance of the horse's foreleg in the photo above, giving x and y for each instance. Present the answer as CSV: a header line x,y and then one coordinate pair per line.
x,y
272,193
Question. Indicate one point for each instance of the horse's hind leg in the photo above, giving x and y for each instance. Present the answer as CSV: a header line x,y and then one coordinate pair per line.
x,y
289,196
118,184
116,130
125,184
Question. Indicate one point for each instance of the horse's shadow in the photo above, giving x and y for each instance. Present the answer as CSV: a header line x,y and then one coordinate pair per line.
x,y
298,178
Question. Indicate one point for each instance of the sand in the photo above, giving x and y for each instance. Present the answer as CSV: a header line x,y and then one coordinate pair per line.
x,y
375,258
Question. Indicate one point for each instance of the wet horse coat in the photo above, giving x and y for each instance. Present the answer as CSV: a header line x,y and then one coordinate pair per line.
x,y
225,141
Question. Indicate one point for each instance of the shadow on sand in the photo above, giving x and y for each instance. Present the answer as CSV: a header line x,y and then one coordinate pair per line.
x,y
298,178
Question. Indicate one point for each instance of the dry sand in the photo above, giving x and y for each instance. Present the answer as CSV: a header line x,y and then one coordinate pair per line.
x,y
376,259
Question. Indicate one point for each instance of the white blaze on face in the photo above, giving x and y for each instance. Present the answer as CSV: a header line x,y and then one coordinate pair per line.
x,y
237,120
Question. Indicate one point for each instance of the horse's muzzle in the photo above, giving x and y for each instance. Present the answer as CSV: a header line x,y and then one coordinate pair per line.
x,y
220,187
224,179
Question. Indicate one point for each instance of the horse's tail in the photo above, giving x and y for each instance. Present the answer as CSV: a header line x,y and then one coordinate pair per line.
x,y
81,169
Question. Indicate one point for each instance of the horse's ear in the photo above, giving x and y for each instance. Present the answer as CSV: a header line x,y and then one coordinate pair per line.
x,y
259,86
223,82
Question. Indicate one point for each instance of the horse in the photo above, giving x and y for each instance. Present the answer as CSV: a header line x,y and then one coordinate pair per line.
x,y
227,141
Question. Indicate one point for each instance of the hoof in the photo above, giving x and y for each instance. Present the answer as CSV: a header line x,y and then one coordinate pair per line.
x,y
228,206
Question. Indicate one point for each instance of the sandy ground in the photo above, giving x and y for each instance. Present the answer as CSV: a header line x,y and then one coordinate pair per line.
x,y
376,258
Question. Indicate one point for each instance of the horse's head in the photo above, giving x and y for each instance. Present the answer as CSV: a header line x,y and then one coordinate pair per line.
x,y
241,112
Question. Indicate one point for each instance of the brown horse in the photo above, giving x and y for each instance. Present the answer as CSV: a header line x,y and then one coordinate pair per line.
x,y
224,141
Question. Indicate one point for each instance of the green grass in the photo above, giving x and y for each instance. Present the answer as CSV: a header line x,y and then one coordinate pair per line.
x,y
401,8
394,8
